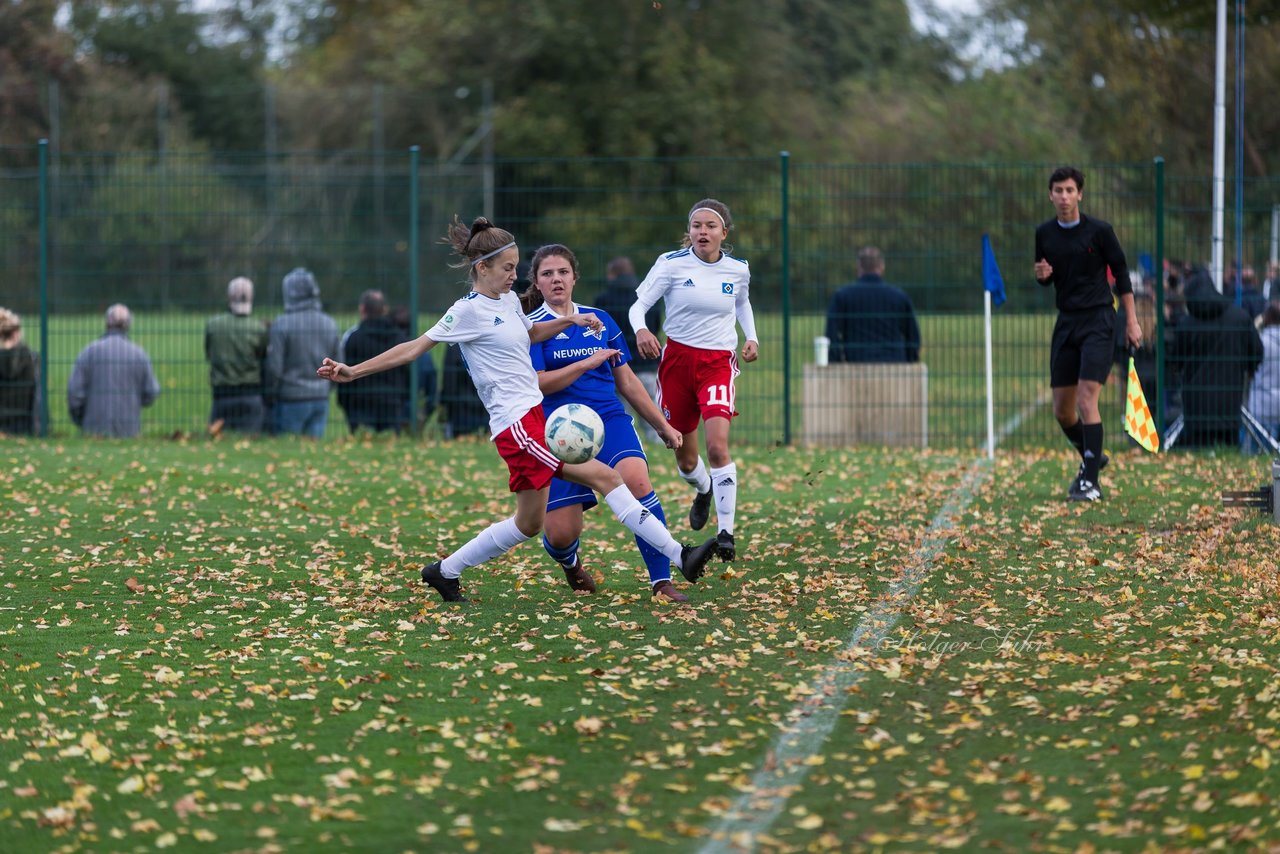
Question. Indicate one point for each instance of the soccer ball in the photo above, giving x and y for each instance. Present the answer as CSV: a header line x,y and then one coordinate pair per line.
x,y
575,433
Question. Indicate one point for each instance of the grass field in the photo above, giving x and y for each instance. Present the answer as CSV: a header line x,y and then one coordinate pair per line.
x,y
953,351
218,646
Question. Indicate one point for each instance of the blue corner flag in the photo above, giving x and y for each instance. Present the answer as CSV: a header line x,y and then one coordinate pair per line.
x,y
991,280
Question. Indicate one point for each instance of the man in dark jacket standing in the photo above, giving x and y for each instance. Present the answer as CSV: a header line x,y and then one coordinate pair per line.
x,y
1216,349
299,341
871,320
235,345
376,401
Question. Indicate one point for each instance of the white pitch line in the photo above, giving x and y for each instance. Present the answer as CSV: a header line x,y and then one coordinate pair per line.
x,y
811,721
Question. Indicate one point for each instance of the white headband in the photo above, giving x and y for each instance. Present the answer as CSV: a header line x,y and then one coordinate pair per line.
x,y
503,248
712,210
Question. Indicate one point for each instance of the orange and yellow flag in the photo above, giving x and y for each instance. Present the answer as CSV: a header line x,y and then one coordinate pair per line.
x,y
1138,422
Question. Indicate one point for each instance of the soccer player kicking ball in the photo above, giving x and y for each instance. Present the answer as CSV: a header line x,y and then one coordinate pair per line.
x,y
581,366
1073,253
495,336
704,289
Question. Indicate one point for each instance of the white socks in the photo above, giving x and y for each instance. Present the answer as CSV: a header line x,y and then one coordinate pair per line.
x,y
697,478
498,538
724,481
642,523
501,537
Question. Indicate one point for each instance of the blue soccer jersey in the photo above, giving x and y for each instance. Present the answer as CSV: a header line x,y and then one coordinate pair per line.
x,y
596,388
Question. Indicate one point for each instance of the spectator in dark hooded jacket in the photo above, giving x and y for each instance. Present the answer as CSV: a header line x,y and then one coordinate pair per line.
x,y
376,401
1216,349
300,339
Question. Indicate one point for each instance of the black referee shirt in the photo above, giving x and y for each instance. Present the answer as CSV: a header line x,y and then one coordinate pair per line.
x,y
1080,257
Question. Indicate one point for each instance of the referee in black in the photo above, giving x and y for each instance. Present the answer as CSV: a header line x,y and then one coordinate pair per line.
x,y
1073,253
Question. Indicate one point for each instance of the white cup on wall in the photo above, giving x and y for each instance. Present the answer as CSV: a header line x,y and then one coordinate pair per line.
x,y
821,350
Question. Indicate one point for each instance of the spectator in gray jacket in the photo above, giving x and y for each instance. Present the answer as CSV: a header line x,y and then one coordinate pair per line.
x,y
112,381
300,339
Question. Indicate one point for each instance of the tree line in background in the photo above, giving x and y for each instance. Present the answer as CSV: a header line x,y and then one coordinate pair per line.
x,y
323,87
831,80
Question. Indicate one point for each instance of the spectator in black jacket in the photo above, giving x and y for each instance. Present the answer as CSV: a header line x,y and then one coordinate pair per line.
x,y
870,320
1216,349
376,401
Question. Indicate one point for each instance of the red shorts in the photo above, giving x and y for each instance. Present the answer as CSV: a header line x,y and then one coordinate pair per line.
x,y
524,446
694,383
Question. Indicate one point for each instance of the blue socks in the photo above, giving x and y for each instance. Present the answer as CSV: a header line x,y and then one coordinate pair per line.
x,y
655,560
658,564
566,557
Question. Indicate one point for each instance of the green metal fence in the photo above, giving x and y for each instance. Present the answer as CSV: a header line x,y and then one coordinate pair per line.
x,y
164,232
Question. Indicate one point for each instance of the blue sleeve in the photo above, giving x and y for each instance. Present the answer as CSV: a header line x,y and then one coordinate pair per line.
x,y
613,336
535,356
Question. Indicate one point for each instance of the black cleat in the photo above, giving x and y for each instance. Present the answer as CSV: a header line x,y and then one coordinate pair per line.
x,y
1084,490
725,547
1102,463
448,588
693,559
700,511
1075,493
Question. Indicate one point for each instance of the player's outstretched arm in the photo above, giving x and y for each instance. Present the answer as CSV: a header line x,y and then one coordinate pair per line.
x,y
401,354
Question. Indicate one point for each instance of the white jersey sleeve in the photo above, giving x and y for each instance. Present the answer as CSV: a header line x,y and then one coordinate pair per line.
x,y
653,288
746,317
457,325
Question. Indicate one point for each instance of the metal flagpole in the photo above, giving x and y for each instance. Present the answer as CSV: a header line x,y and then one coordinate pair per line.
x,y
991,409
1219,145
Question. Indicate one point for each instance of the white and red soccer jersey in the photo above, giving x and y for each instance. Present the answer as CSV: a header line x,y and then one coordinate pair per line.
x,y
703,301
494,337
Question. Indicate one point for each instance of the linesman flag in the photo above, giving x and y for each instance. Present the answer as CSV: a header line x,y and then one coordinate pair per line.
x,y
1137,415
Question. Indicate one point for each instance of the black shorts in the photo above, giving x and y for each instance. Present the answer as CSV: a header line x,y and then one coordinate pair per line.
x,y
1083,347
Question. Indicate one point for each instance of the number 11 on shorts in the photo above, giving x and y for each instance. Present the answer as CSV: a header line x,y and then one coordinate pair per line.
x,y
718,395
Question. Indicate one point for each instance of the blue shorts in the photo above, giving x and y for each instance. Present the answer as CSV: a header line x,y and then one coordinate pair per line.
x,y
620,442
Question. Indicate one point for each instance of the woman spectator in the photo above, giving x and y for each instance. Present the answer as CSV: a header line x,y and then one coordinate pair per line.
x,y
18,374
